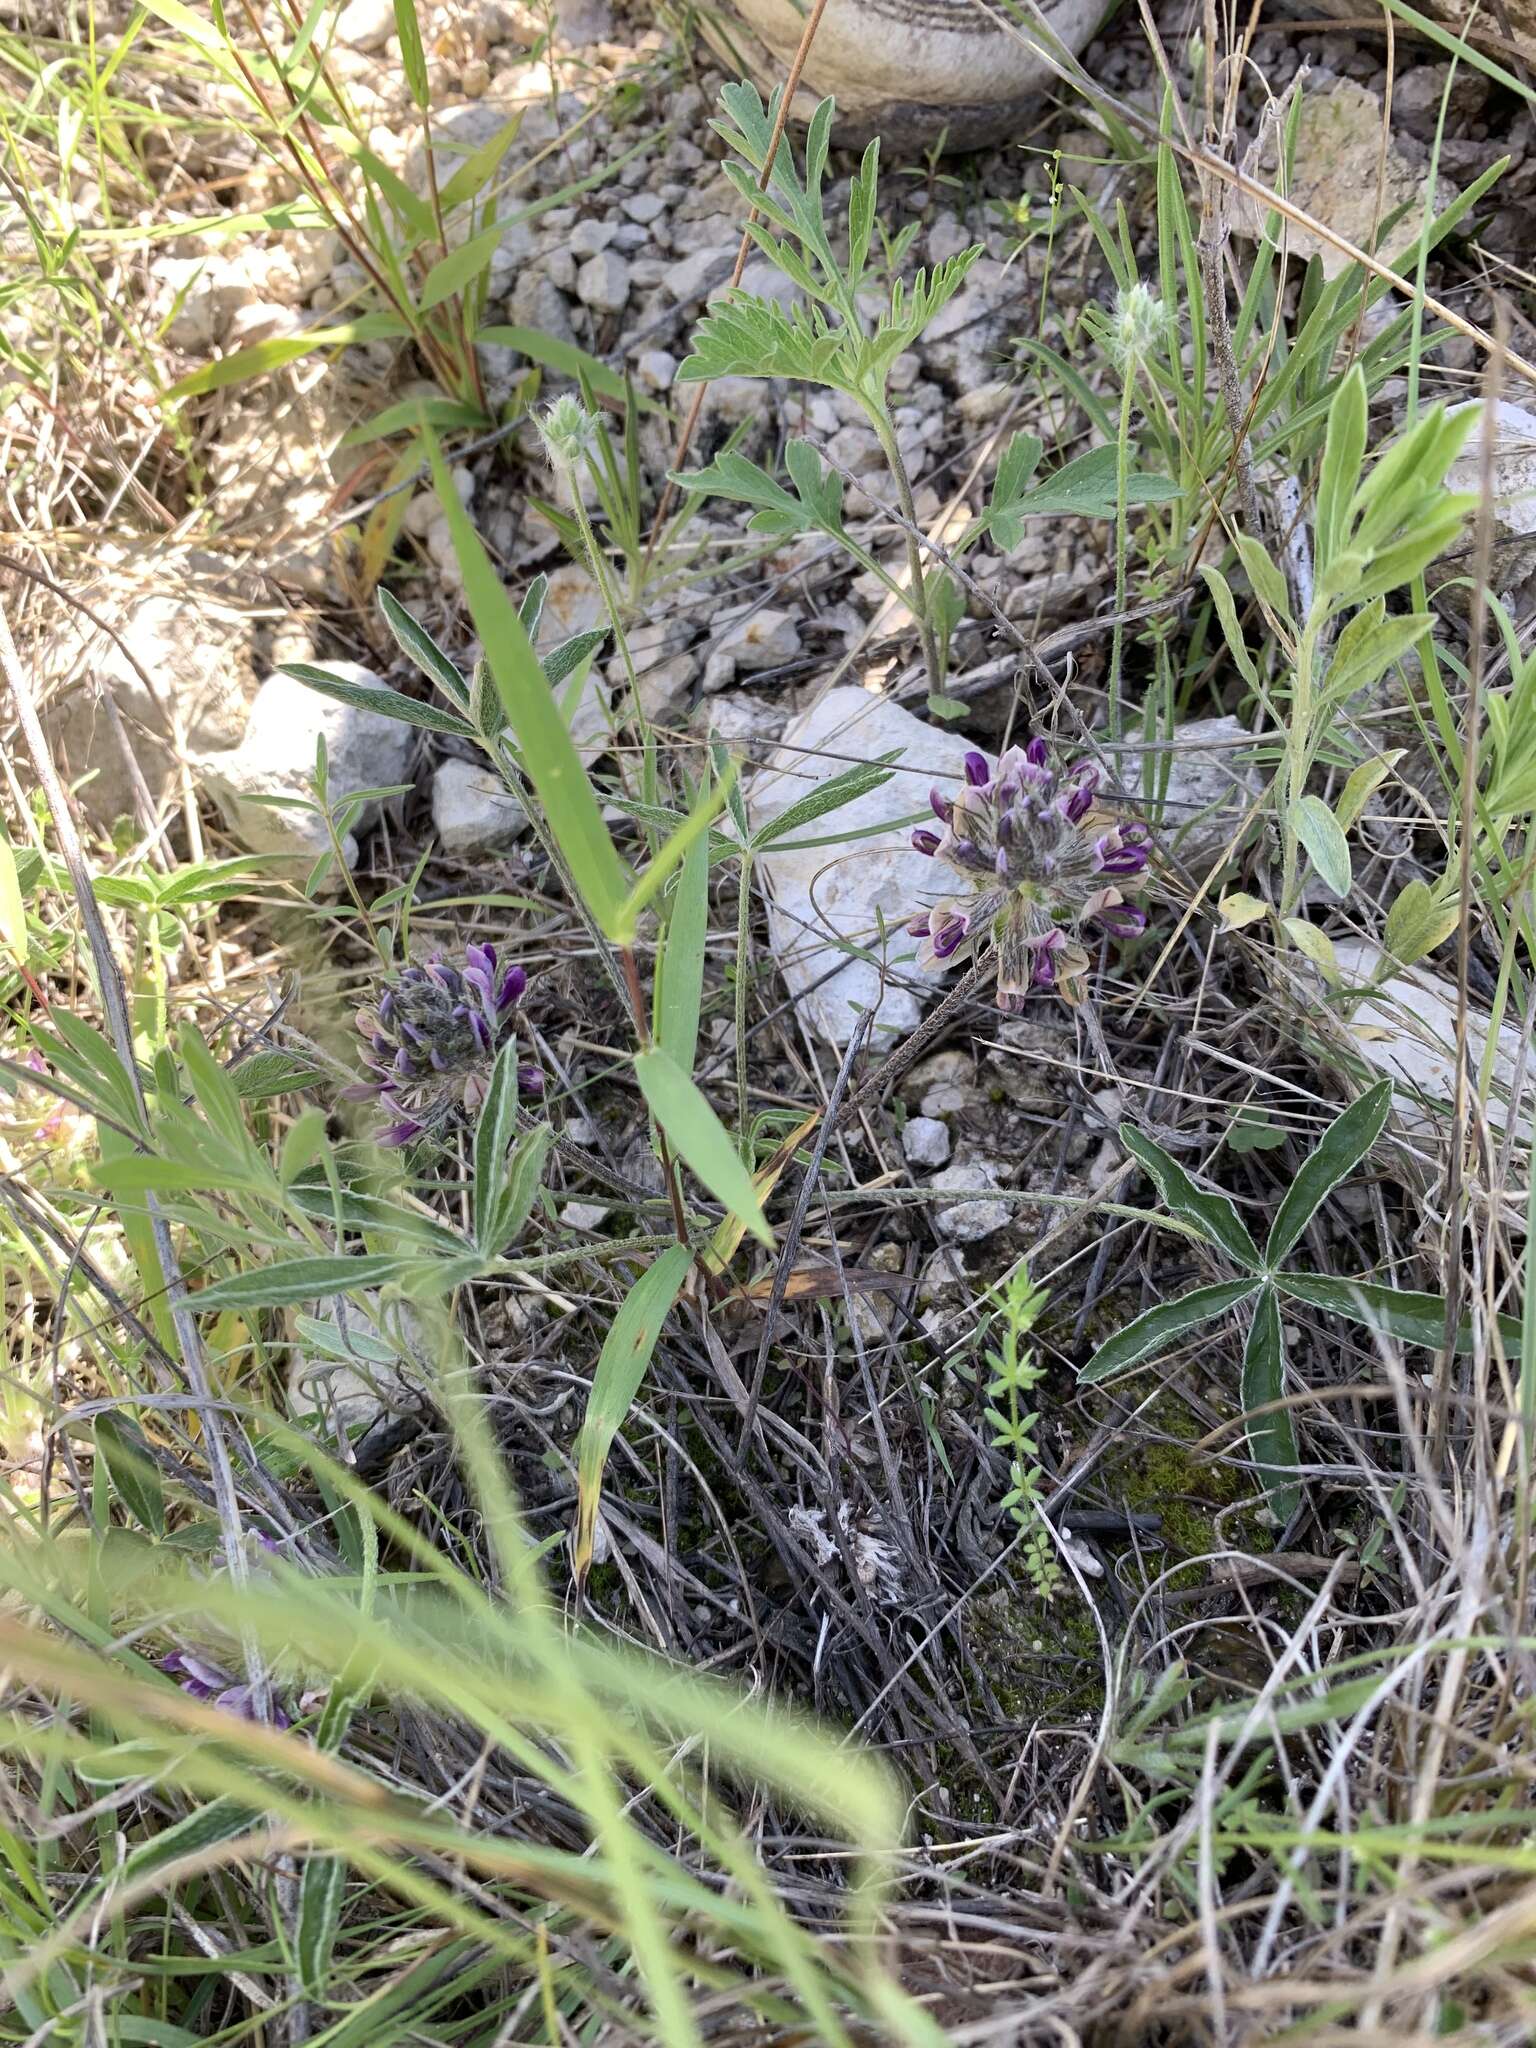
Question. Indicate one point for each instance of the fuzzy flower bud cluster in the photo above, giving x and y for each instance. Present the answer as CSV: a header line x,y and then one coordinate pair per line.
x,y
432,1038
1034,864
569,432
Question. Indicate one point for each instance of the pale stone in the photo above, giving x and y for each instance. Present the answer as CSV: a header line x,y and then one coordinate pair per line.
x,y
472,808
1340,174
980,1214
824,899
925,1141
1211,787
908,74
276,758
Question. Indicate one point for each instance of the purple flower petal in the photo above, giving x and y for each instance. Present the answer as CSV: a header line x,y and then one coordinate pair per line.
x,y
1037,753
481,958
917,927
925,841
401,1133
530,1080
977,773
1125,920
942,807
481,1029
513,982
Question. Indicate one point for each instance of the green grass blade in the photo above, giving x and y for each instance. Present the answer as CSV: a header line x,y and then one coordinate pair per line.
x,y
620,1369
543,739
681,1108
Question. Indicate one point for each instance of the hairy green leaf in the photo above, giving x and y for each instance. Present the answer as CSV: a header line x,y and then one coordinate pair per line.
x,y
1158,1327
1213,1215
1347,1140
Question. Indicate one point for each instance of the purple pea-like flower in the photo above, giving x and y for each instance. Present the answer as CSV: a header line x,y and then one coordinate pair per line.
x,y
432,1038
201,1679
1038,864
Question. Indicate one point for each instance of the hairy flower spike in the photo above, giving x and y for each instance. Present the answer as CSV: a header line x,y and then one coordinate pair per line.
x,y
432,1038
568,431
1137,325
1037,863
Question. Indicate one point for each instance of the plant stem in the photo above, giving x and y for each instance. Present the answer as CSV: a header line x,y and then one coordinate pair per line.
x,y
604,581
743,944
1122,492
917,595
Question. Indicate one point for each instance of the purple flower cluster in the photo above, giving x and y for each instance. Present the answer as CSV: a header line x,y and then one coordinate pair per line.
x,y
204,1680
432,1039
1038,863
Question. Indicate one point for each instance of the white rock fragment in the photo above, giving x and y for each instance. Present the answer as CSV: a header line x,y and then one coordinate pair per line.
x,y
1408,1029
473,811
603,282
767,639
584,1215
925,1141
276,758
696,274
1212,782
656,369
1513,465
1341,175
980,1213
823,900
180,672
365,24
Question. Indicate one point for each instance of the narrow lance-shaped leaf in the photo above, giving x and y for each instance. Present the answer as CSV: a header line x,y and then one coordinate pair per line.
x,y
417,644
680,962
1271,1435
291,1280
386,703
520,1185
844,788
1337,1153
621,1367
682,1109
1319,832
1160,1326
543,738
494,1132
1214,1216
1400,1312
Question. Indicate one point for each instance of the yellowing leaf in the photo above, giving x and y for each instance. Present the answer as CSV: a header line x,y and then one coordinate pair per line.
x,y
1238,910
1316,944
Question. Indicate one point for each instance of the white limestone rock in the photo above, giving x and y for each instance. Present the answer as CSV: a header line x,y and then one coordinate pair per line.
x,y
825,900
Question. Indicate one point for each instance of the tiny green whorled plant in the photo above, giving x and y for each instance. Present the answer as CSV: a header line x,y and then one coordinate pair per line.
x,y
1013,1420
829,340
1265,1279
